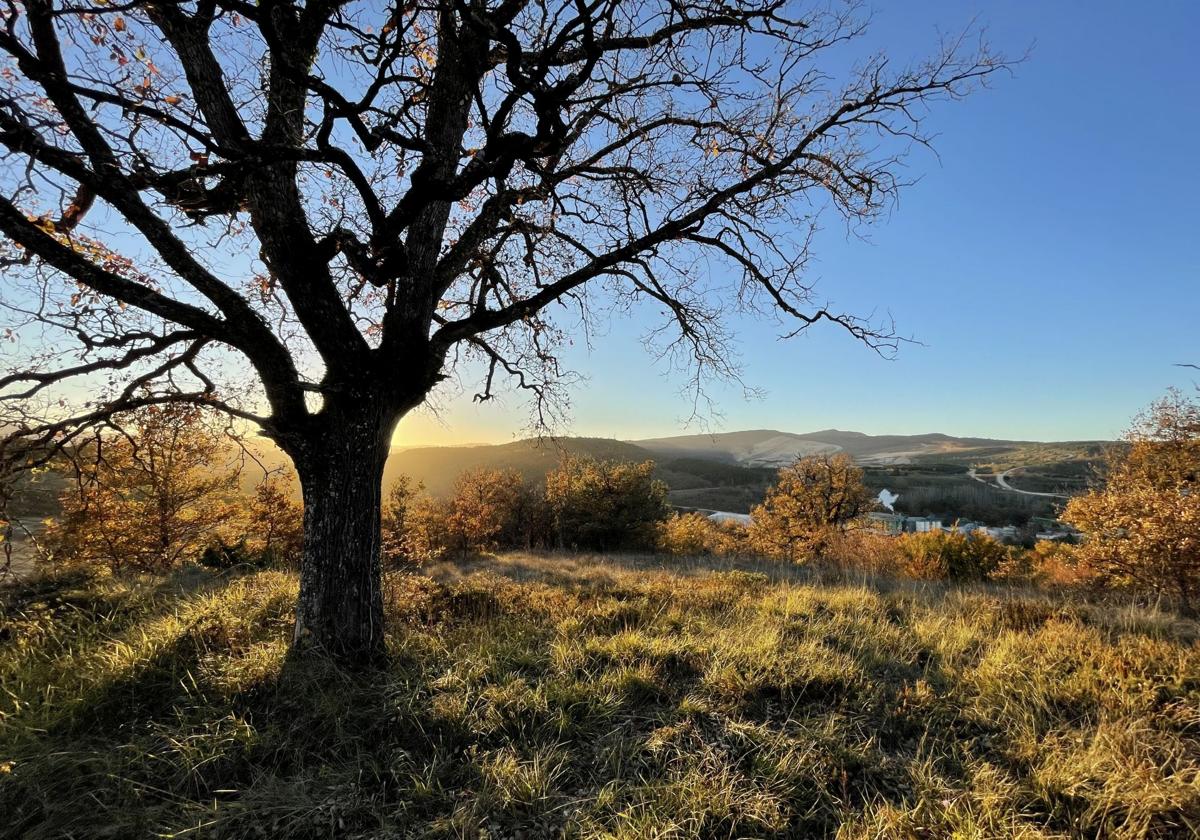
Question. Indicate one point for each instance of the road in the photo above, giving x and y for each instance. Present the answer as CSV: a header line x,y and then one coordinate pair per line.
x,y
1002,483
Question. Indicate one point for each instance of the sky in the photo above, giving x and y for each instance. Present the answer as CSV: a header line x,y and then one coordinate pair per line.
x,y
1046,260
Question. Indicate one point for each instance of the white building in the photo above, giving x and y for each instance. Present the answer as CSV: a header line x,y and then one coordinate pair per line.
x,y
722,516
1003,533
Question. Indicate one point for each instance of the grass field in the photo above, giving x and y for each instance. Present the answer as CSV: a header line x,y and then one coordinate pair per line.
x,y
584,697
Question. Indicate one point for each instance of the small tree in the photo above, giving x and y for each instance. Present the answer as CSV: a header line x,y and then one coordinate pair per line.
x,y
150,494
686,535
950,555
485,509
605,505
1143,526
276,523
811,502
416,528
694,534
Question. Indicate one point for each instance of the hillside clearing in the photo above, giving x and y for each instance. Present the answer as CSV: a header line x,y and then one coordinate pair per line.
x,y
543,696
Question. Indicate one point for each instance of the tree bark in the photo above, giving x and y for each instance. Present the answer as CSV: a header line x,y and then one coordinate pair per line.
x,y
340,607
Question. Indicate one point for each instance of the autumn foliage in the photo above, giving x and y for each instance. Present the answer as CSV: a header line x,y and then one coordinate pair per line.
x,y
162,488
949,555
1143,526
605,505
584,503
812,501
156,493
275,523
695,535
491,508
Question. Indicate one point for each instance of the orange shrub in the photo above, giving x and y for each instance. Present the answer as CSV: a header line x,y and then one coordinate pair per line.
x,y
810,504
1143,527
487,509
685,535
275,523
695,535
949,555
155,494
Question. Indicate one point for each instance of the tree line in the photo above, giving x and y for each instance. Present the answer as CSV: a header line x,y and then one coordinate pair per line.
x,y
165,488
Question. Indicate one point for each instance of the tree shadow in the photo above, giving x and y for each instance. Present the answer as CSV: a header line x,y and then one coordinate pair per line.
x,y
483,718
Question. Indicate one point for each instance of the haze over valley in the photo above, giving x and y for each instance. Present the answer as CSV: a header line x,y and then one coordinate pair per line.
x,y
729,471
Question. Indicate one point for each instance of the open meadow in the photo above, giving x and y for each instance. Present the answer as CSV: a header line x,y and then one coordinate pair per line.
x,y
541,695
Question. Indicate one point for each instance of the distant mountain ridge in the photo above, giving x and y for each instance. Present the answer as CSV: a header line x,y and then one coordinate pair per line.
x,y
741,458
437,467
772,448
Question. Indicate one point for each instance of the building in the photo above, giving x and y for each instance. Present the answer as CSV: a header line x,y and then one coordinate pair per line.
x,y
925,524
898,523
722,516
889,523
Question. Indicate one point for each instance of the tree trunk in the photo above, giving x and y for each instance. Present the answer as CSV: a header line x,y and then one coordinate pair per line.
x,y
340,608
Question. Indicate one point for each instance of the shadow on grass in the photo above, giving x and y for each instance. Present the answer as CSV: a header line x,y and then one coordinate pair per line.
x,y
570,700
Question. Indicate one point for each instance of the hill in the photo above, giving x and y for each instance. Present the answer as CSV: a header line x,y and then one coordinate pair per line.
x,y
438,466
768,447
761,447
688,462
730,470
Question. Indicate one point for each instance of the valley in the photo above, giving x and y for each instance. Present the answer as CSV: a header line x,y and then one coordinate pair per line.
x,y
953,477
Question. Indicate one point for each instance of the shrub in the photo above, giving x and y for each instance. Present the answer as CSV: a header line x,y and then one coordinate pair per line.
x,y
415,527
808,506
427,536
686,535
223,555
1048,563
488,508
149,496
1143,528
695,535
949,555
276,524
605,505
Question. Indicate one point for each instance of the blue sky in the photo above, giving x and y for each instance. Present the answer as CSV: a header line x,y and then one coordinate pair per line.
x,y
1047,262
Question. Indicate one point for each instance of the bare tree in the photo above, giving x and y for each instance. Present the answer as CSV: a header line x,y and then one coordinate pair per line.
x,y
350,200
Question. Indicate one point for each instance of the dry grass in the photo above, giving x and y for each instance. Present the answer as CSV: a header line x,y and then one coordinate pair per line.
x,y
535,696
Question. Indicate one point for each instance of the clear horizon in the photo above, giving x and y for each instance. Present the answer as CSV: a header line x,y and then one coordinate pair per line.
x,y
1045,260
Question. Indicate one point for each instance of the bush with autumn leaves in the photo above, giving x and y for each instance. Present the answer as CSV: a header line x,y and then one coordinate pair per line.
x,y
167,487
163,488
585,504
1142,525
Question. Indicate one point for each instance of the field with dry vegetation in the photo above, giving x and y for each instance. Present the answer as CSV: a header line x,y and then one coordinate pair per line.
x,y
534,695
